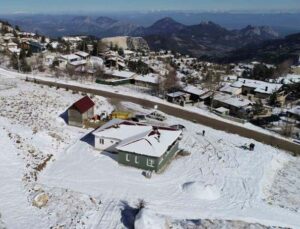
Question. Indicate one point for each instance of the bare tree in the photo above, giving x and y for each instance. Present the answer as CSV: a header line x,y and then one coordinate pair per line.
x,y
283,68
213,83
99,73
171,82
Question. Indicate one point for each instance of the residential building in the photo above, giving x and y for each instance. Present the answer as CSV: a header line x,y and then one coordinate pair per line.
x,y
237,106
138,145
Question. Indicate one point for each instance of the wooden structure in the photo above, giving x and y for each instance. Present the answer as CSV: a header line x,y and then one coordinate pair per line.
x,y
81,111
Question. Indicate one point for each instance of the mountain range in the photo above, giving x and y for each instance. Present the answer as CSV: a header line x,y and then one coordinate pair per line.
x,y
270,51
203,39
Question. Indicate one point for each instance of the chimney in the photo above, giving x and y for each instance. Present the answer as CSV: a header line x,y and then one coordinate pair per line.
x,y
266,88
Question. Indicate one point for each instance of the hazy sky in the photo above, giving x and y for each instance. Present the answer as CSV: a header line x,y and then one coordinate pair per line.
x,y
44,6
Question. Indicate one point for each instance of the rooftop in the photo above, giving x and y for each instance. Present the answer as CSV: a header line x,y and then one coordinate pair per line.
x,y
83,104
260,86
232,100
153,143
194,90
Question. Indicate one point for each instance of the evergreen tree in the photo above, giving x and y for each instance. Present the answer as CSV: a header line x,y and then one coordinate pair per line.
x,y
22,54
29,52
14,62
24,66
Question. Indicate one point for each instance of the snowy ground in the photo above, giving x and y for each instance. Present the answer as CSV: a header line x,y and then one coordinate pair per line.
x,y
219,180
134,91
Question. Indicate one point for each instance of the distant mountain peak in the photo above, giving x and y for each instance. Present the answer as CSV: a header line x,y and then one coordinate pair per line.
x,y
167,21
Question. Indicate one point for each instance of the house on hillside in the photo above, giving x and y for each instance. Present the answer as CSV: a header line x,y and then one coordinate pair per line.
x,y
138,145
237,106
63,60
194,92
83,55
259,89
119,75
150,81
37,47
178,97
81,111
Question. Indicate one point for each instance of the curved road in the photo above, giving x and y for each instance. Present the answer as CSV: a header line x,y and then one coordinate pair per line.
x,y
187,115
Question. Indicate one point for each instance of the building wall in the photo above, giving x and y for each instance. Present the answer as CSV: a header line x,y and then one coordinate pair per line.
x,y
163,160
138,161
147,162
261,95
247,90
105,144
75,118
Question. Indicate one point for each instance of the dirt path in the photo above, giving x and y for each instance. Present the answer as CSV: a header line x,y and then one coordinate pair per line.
x,y
187,115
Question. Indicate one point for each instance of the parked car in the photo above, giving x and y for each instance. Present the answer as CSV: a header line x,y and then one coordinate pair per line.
x,y
178,127
157,116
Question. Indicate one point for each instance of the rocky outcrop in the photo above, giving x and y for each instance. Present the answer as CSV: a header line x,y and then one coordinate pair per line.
x,y
125,42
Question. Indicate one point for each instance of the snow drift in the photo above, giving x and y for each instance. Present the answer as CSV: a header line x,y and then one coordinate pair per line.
x,y
147,219
201,191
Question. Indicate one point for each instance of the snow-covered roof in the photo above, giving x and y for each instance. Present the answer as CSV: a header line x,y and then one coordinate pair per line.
x,y
121,74
289,79
230,77
151,143
70,57
82,54
229,89
176,94
121,130
149,78
14,50
96,61
222,109
78,62
194,90
260,86
295,110
138,138
232,100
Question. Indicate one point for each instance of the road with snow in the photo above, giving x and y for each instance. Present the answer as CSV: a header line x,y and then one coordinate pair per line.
x,y
218,124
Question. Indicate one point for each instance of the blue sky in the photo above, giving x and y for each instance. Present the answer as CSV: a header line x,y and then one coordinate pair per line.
x,y
44,6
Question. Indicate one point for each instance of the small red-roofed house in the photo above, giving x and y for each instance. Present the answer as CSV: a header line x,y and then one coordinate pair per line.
x,y
80,111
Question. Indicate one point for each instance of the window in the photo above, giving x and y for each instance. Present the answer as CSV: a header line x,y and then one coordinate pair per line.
x,y
101,141
127,157
136,160
150,163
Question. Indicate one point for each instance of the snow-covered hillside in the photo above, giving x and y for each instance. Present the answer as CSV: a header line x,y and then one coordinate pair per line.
x,y
219,180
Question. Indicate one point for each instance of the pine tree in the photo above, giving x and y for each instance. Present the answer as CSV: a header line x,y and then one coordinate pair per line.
x,y
29,52
22,54
14,62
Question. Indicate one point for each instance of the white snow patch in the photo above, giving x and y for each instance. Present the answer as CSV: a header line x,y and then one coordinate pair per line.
x,y
147,219
201,190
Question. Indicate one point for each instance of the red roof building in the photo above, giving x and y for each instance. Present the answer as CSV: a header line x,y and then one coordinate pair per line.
x,y
83,105
81,111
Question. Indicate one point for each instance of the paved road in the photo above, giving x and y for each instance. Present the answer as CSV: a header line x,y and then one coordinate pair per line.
x,y
188,115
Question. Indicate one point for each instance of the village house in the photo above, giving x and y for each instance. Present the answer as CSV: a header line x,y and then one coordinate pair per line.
x,y
63,60
229,89
81,111
119,75
150,81
138,145
178,97
237,106
37,47
83,55
194,92
259,89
